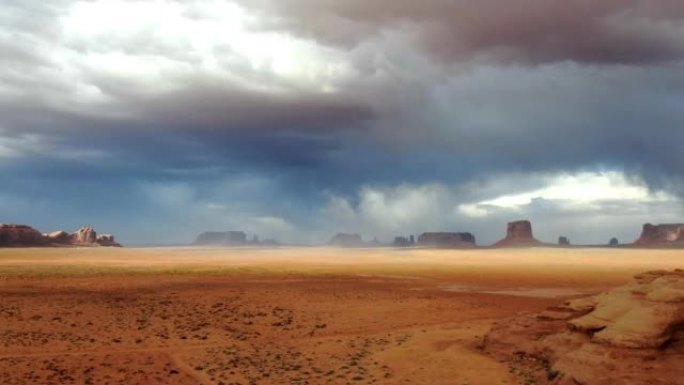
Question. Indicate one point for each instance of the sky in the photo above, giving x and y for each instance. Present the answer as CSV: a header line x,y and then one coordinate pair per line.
x,y
155,120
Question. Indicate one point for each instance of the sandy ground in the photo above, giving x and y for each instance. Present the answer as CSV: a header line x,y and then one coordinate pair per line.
x,y
281,316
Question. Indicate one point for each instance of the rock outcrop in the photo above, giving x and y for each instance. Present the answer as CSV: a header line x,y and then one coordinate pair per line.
x,y
59,237
518,234
401,242
630,335
20,235
661,234
225,238
346,240
106,240
84,236
26,236
446,240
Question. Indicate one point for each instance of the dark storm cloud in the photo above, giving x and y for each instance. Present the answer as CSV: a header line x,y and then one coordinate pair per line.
x,y
435,96
607,31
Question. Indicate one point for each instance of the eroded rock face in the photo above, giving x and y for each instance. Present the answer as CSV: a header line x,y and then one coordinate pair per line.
x,y
84,236
446,240
658,234
60,237
518,233
630,335
20,235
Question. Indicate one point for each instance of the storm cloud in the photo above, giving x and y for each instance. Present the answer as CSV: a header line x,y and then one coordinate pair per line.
x,y
295,119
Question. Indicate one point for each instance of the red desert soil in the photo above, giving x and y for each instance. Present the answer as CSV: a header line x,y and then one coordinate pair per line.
x,y
283,316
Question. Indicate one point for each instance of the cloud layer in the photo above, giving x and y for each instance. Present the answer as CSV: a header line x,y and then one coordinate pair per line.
x,y
299,118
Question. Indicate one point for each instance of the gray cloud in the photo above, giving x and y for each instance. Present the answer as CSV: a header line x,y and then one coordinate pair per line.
x,y
613,31
370,96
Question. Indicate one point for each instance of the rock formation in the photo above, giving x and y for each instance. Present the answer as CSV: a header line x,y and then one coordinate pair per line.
x,y
25,236
106,240
563,241
20,235
401,242
346,240
518,234
661,234
60,237
84,236
630,335
446,240
225,238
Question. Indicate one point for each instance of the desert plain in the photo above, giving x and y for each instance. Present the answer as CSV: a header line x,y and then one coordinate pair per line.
x,y
284,315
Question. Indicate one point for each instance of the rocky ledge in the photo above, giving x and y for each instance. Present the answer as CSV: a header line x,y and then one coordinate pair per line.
x,y
630,335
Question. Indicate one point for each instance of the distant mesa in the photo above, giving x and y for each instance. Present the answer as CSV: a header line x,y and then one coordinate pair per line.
x,y
661,234
563,241
401,242
25,236
346,240
518,234
21,235
232,239
446,240
224,238
270,243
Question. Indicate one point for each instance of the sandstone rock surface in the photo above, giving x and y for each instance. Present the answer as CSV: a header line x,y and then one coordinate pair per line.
x,y
61,237
446,240
20,235
518,234
661,234
84,236
629,335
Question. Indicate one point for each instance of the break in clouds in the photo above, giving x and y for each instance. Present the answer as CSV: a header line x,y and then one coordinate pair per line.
x,y
296,119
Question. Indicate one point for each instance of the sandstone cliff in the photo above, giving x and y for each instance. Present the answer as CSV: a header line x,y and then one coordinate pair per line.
x,y
630,335
20,235
661,234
